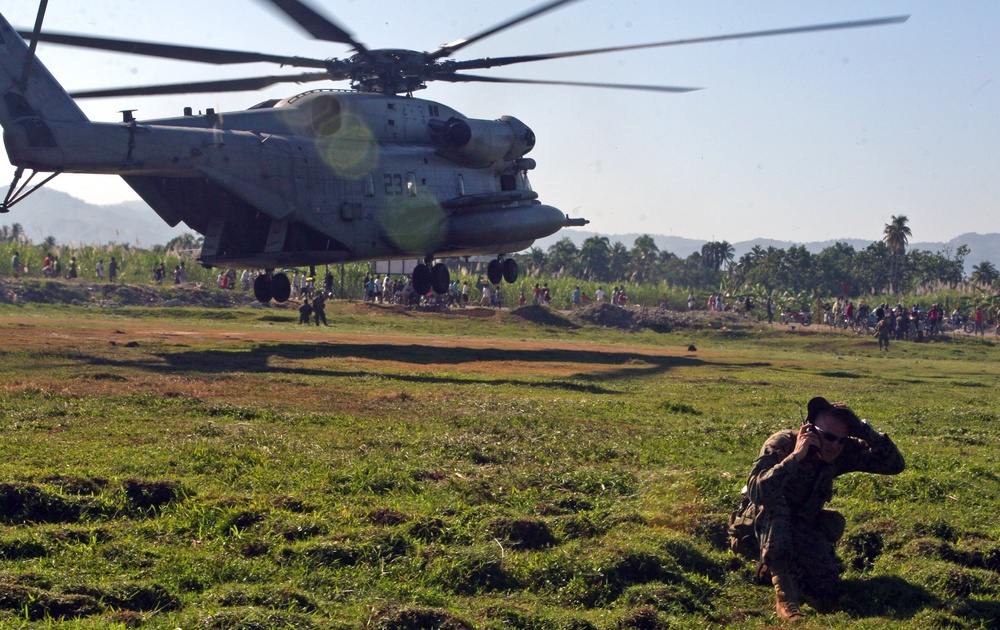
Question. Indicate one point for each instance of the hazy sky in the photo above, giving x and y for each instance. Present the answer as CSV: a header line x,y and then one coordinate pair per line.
x,y
801,137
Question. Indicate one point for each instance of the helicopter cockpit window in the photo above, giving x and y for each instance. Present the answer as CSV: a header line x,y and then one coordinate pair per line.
x,y
508,182
411,184
325,114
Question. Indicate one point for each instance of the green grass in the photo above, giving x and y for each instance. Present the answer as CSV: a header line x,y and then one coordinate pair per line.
x,y
199,468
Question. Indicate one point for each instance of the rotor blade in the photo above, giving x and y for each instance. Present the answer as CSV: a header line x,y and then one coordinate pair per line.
x,y
226,85
216,56
476,64
471,78
317,25
447,49
26,72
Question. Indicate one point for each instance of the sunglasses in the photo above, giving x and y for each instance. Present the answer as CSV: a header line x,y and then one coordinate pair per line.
x,y
831,437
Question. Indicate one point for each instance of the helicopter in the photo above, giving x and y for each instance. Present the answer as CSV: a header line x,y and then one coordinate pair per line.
x,y
326,176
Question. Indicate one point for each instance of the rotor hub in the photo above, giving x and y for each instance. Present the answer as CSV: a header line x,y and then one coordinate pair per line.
x,y
389,71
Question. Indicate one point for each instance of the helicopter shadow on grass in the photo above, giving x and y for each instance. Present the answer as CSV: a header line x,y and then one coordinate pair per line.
x,y
260,359
886,596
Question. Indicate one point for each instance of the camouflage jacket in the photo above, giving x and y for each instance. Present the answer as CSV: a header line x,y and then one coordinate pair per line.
x,y
807,486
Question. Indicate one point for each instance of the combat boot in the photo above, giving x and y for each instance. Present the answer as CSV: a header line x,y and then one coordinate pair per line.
x,y
787,596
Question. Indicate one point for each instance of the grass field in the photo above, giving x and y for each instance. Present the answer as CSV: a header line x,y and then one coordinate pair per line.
x,y
197,468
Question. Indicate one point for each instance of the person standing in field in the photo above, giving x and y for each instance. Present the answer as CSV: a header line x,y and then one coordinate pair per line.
x,y
882,331
319,308
781,522
112,270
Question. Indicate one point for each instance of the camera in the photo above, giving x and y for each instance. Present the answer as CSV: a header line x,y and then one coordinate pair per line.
x,y
810,428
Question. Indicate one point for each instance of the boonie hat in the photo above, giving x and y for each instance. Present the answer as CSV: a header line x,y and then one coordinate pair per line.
x,y
819,405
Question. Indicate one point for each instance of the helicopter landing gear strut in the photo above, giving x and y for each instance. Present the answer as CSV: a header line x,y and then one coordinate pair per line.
x,y
270,285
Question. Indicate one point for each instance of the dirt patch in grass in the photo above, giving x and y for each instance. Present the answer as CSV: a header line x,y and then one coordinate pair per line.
x,y
417,618
28,503
146,495
386,517
36,604
524,533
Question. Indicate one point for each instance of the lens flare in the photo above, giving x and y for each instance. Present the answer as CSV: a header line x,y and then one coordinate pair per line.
x,y
416,225
352,151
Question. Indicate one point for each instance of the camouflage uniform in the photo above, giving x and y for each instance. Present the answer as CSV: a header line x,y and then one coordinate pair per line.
x,y
882,331
795,536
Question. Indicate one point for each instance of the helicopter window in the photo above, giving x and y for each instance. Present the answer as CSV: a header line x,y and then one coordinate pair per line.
x,y
369,185
508,182
411,184
325,111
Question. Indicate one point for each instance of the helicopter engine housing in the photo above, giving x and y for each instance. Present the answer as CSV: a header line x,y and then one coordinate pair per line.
x,y
480,143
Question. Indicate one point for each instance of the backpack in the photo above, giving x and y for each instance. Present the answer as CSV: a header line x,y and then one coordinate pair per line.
x,y
742,536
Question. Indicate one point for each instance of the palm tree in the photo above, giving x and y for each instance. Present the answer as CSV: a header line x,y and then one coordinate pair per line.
x,y
715,254
644,253
619,261
185,241
985,274
896,235
538,259
595,254
563,257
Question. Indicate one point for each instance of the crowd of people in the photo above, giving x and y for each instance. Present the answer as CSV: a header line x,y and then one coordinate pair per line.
x,y
52,267
900,323
886,323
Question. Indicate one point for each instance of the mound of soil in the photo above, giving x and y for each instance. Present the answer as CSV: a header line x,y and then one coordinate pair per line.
x,y
636,318
109,295
543,316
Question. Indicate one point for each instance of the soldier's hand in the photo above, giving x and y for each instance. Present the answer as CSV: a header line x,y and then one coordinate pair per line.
x,y
807,437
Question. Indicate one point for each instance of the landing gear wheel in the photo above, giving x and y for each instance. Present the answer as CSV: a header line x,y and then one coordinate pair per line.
x,y
281,287
262,288
510,270
494,271
421,279
440,278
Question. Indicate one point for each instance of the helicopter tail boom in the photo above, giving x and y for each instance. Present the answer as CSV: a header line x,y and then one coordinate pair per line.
x,y
30,99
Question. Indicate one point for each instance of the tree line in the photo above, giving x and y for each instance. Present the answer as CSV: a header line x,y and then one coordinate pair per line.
x,y
794,276
884,267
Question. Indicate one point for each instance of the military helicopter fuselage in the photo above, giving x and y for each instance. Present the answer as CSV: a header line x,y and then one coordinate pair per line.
x,y
330,176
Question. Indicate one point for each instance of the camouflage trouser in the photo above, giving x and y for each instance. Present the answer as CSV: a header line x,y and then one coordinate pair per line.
x,y
801,550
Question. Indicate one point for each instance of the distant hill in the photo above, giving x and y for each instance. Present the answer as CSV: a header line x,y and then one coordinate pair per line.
x,y
48,212
982,246
70,220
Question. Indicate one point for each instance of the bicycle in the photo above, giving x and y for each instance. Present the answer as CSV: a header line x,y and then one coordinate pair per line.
x,y
861,325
